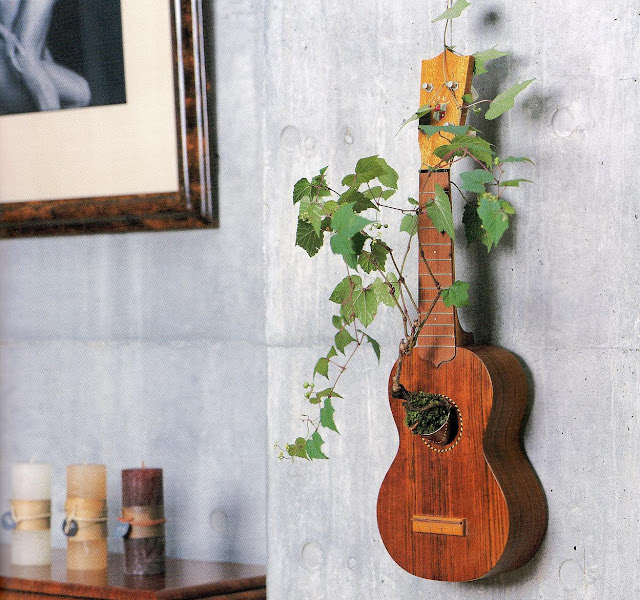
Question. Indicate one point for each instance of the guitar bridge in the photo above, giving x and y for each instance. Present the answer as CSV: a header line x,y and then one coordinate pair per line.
x,y
439,525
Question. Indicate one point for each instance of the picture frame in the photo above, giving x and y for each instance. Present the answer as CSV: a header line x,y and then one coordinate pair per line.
x,y
189,203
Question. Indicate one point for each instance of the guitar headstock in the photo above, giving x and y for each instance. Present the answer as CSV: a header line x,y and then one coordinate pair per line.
x,y
445,80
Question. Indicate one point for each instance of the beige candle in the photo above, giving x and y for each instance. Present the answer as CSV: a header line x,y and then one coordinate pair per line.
x,y
31,510
86,517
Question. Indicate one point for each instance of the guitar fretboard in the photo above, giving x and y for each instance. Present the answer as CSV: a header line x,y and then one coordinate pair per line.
x,y
438,338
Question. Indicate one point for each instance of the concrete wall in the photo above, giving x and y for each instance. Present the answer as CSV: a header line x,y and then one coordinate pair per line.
x,y
123,348
562,292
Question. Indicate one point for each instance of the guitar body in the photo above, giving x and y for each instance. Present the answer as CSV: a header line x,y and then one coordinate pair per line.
x,y
474,507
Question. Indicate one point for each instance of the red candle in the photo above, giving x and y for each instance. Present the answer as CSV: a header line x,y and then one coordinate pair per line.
x,y
143,509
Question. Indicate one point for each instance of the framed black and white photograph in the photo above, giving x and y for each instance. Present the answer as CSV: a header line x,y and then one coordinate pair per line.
x,y
103,117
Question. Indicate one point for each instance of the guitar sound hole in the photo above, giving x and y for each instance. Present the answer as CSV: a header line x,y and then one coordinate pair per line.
x,y
449,435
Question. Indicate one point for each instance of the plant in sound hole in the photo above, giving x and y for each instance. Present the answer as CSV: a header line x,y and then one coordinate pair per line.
x,y
353,218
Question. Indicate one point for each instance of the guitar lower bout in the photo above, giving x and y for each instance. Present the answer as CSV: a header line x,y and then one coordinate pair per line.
x,y
473,507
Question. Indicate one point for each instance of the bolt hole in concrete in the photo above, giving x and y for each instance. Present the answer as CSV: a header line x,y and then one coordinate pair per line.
x,y
563,122
290,138
312,556
571,574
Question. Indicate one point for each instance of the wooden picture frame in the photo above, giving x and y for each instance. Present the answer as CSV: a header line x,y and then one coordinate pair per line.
x,y
191,205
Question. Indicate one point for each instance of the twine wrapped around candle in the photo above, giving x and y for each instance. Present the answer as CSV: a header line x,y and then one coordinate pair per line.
x,y
144,521
89,516
31,515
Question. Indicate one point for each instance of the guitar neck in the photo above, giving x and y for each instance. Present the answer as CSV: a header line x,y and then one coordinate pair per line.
x,y
441,332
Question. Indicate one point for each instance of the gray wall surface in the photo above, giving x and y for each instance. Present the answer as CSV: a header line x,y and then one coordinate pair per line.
x,y
123,348
562,291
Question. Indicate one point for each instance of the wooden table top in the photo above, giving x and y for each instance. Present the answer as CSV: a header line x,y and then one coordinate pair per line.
x,y
183,580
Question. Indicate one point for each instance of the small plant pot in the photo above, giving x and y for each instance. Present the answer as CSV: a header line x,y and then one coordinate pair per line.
x,y
444,434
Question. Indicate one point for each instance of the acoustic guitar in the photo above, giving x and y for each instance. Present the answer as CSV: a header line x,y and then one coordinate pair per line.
x,y
468,505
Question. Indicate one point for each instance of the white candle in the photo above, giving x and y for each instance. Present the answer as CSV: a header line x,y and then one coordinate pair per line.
x,y
31,504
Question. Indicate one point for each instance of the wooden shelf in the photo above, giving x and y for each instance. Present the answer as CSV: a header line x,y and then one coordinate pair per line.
x,y
183,580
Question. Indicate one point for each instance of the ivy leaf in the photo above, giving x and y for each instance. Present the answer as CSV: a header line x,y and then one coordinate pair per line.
x,y
456,295
330,206
307,238
495,220
409,224
322,367
312,212
357,199
346,221
299,448
474,145
413,201
373,167
346,288
301,189
421,112
349,180
375,259
514,182
453,12
313,446
483,57
375,345
382,290
474,181
337,321
319,186
430,130
342,339
377,193
439,211
365,305
328,393
326,415
472,223
332,352
515,159
505,100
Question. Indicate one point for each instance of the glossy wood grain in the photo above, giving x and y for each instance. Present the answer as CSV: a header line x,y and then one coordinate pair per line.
x,y
484,478
193,205
183,580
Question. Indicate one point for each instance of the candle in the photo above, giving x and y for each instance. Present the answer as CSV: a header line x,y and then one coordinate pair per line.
x,y
86,517
31,510
143,509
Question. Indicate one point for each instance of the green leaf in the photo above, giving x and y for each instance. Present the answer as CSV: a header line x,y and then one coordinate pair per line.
x,y
319,185
377,193
342,339
413,201
311,212
453,12
298,448
516,159
373,167
332,352
328,392
365,305
346,221
468,98
375,259
322,367
495,220
421,112
375,345
358,200
472,223
439,211
508,208
337,321
313,446
301,189
430,130
456,295
474,145
409,224
514,182
505,100
307,238
326,415
349,180
346,288
474,181
330,206
382,290
483,57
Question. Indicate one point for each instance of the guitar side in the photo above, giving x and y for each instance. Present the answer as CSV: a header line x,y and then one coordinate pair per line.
x,y
475,507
